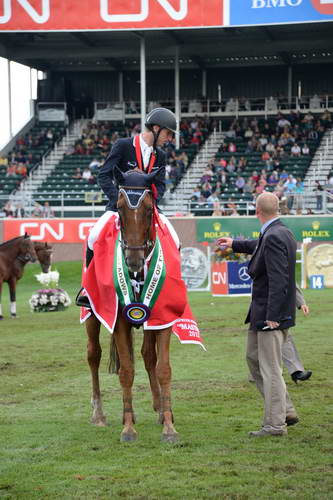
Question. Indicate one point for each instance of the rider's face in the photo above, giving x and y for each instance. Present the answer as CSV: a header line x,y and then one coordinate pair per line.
x,y
164,136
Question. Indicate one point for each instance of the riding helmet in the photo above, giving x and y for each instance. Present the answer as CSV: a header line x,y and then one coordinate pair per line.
x,y
162,117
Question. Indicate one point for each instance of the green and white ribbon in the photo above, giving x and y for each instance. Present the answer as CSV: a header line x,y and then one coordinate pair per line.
x,y
153,282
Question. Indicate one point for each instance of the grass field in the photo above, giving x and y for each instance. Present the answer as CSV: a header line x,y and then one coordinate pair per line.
x,y
49,450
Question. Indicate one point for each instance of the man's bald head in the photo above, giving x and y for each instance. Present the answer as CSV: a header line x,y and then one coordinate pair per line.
x,y
268,205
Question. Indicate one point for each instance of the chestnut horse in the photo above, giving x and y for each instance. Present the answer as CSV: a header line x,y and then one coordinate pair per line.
x,y
137,237
14,255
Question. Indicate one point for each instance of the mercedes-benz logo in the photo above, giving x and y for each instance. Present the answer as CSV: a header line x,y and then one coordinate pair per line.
x,y
243,274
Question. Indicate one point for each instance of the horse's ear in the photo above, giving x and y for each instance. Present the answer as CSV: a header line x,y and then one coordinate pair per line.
x,y
151,177
118,175
26,235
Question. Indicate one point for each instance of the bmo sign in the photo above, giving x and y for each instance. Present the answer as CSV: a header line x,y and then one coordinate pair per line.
x,y
260,4
50,230
261,12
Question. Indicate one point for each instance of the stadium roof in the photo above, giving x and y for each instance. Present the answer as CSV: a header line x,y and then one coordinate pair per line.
x,y
203,48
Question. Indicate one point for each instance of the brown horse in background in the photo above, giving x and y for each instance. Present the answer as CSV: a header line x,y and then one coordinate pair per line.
x,y
14,255
136,225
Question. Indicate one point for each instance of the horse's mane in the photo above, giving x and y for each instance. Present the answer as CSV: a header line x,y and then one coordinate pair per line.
x,y
9,242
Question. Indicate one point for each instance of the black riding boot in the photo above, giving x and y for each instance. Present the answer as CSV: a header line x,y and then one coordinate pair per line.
x,y
82,300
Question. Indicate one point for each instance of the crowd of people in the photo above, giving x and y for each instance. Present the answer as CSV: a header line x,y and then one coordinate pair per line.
x,y
274,143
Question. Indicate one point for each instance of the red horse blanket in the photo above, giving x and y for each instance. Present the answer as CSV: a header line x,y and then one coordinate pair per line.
x,y
171,307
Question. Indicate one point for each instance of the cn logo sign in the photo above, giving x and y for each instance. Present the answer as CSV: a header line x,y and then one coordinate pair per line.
x,y
219,278
43,229
30,10
176,15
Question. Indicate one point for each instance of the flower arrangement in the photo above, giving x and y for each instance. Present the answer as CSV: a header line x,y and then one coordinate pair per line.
x,y
50,298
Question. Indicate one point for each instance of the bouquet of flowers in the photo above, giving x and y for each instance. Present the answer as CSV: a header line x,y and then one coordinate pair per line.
x,y
49,298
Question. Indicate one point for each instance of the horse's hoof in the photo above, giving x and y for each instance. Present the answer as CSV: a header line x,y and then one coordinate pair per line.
x,y
13,316
170,438
127,437
99,421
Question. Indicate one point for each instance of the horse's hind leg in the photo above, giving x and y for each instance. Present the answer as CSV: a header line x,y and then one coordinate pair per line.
x,y
163,372
148,352
124,343
94,353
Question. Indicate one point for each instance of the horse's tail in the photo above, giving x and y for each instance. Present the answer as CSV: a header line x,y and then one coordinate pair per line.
x,y
114,362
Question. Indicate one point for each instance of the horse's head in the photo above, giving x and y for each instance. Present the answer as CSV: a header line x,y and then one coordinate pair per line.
x,y
135,207
27,250
44,254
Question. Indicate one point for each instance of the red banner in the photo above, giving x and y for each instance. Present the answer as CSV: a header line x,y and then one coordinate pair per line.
x,y
86,15
50,230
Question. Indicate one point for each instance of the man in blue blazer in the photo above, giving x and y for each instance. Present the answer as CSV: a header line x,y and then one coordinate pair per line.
x,y
143,151
272,311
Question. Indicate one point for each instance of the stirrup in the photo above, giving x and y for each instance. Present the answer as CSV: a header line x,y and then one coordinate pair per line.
x,y
82,300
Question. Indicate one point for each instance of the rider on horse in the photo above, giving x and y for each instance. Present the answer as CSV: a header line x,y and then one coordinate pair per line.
x,y
143,152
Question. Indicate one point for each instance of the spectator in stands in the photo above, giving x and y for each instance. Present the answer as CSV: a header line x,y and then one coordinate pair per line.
x,y
38,210
299,192
217,211
19,211
255,177
240,183
295,150
232,147
319,195
206,190
273,178
47,212
249,186
11,170
86,174
305,150
21,170
207,175
9,209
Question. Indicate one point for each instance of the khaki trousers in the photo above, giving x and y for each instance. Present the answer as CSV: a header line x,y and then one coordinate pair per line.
x,y
264,358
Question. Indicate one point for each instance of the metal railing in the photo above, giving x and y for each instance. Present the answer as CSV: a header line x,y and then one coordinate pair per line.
x,y
261,106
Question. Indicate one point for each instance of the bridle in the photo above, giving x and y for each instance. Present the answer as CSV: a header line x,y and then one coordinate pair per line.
x,y
149,244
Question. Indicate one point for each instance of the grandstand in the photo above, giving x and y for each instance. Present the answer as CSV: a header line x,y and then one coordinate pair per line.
x,y
220,78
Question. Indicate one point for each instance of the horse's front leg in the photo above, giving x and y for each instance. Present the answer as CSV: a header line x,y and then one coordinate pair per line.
x,y
12,296
94,354
163,372
148,352
124,343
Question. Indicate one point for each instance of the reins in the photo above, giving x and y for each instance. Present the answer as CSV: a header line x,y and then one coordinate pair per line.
x,y
149,244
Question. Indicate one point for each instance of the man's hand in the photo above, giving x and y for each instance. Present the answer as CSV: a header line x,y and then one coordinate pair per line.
x,y
272,324
224,243
305,309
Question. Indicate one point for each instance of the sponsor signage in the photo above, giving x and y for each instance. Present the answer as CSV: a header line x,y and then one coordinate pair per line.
x,y
87,15
50,230
230,278
251,12
318,228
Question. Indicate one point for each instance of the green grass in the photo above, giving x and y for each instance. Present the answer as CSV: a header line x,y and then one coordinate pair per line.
x,y
49,450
